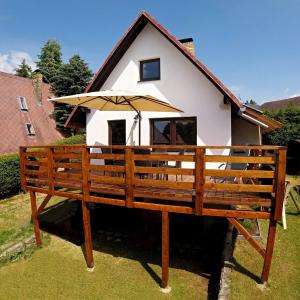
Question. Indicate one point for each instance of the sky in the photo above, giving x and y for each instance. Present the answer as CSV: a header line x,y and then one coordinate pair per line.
x,y
253,47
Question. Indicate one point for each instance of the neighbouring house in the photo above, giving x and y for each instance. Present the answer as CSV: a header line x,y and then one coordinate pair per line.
x,y
149,59
283,103
25,112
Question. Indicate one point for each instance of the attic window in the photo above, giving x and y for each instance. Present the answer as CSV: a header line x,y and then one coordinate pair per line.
x,y
150,69
22,103
29,129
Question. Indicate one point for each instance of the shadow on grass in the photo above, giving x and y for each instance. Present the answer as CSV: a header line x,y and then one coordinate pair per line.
x,y
239,268
196,244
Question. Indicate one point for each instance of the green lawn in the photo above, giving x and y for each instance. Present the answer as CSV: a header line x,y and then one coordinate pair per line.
x,y
58,270
284,280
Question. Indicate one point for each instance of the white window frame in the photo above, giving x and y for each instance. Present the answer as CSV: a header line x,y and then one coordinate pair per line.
x,y
22,103
31,130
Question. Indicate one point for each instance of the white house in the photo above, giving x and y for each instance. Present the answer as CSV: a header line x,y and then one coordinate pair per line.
x,y
149,59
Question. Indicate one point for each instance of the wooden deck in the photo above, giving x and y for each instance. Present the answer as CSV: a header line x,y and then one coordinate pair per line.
x,y
170,179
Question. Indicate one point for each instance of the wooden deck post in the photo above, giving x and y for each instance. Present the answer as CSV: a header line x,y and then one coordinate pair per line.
x,y
87,235
280,183
35,220
129,176
85,208
199,180
165,249
269,251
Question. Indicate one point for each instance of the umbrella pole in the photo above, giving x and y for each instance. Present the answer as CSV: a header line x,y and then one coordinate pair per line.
x,y
140,119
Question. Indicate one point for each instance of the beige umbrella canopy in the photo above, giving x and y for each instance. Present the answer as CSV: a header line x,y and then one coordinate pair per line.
x,y
118,100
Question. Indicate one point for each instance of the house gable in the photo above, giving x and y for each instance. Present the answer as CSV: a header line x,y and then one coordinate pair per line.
x,y
126,41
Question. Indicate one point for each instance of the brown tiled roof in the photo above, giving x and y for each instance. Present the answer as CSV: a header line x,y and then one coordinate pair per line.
x,y
12,120
295,101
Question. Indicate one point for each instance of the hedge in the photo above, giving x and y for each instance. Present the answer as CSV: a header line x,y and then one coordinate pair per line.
x,y
75,139
10,183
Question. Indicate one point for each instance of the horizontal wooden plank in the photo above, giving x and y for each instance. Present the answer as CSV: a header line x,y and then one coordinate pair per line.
x,y
68,150
163,195
68,165
107,189
107,168
67,184
241,159
163,157
35,153
258,147
162,170
37,180
105,200
67,175
163,207
107,179
239,187
235,213
42,172
240,173
35,163
66,155
107,156
163,183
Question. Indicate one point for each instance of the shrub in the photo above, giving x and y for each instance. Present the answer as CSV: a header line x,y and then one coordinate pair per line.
x,y
10,182
75,139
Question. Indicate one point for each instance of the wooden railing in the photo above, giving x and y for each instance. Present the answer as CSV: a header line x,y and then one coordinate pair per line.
x,y
186,179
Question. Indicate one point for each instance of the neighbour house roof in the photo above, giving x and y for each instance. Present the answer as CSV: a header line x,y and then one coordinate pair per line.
x,y
36,111
257,116
276,104
122,46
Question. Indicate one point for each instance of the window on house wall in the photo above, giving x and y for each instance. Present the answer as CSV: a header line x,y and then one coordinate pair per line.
x,y
150,69
117,132
174,131
22,103
29,129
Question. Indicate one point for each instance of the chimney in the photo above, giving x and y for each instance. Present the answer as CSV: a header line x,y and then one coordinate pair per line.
x,y
188,43
37,81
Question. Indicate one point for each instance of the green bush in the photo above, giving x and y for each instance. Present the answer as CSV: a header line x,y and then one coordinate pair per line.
x,y
75,139
10,182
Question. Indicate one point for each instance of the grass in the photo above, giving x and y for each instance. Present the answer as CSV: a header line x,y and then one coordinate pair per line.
x,y
58,270
285,270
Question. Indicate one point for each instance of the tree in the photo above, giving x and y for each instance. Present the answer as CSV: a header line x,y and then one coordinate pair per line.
x,y
71,78
49,60
251,102
24,70
290,118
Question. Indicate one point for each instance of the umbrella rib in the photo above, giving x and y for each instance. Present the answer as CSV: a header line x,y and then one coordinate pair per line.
x,y
87,101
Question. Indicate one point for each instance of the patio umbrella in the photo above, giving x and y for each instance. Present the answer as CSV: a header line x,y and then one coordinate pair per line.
x,y
118,100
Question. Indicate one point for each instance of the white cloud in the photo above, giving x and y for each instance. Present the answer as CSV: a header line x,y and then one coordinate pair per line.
x,y
286,90
295,95
235,88
10,61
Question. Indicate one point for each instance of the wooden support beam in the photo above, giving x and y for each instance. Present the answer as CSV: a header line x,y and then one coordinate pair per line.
x,y
269,251
247,236
43,204
87,235
199,180
129,176
85,210
35,220
280,183
165,249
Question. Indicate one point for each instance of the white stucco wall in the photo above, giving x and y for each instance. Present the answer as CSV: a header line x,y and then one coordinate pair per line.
x,y
181,84
244,133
